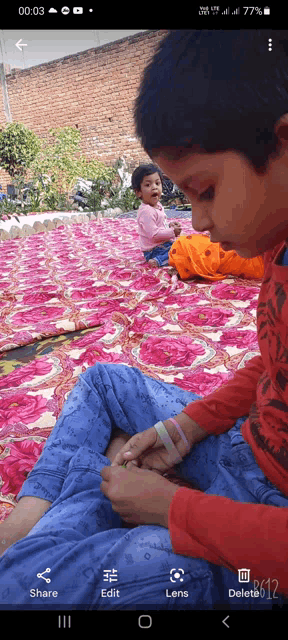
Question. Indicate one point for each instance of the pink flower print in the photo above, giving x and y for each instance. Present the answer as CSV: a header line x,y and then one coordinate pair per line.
x,y
71,276
145,325
25,374
20,460
103,306
90,338
244,339
123,274
37,298
92,292
234,291
170,352
81,283
145,282
21,407
205,317
37,315
98,354
203,383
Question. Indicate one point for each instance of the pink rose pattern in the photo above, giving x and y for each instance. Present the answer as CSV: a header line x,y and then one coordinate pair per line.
x,y
93,276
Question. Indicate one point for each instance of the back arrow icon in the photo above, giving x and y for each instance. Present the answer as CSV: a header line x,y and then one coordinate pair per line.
x,y
18,45
224,622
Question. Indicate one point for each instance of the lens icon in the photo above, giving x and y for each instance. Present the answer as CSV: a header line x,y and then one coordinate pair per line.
x,y
176,573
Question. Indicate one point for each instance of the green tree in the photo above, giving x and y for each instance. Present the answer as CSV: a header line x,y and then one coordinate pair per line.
x,y
63,163
54,166
18,148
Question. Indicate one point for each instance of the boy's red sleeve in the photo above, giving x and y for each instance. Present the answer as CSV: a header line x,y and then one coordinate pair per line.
x,y
233,535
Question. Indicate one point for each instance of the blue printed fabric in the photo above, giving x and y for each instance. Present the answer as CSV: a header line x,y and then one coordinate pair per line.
x,y
94,559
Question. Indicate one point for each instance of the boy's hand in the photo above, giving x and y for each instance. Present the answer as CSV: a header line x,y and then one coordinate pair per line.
x,y
148,451
139,496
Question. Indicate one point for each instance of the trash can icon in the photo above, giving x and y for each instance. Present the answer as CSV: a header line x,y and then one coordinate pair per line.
x,y
243,575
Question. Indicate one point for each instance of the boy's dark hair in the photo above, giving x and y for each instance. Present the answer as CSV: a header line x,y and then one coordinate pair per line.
x,y
219,90
142,171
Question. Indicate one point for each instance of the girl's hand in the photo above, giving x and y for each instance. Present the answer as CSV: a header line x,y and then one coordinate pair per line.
x,y
177,228
139,496
148,451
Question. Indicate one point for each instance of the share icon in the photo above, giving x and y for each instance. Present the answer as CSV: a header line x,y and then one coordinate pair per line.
x,y
41,575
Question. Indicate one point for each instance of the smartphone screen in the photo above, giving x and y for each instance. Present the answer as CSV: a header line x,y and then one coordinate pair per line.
x,y
78,295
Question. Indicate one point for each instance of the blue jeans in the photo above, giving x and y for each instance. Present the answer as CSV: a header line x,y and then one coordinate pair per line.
x,y
160,253
88,548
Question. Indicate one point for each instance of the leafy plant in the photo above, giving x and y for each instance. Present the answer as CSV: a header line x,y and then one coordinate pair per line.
x,y
55,165
62,161
18,148
59,160
127,200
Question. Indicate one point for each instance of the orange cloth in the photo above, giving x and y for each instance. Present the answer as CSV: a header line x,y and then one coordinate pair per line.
x,y
196,255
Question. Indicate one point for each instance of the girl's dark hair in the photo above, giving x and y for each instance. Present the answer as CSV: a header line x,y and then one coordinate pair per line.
x,y
142,171
218,90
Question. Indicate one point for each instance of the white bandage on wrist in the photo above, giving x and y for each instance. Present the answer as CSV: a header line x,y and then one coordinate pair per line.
x,y
168,444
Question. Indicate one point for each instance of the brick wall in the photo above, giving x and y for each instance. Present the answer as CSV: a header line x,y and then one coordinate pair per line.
x,y
93,91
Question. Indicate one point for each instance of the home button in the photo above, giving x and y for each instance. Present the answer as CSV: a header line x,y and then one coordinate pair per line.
x,y
145,622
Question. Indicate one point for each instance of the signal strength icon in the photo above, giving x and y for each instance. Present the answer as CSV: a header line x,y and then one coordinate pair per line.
x,y
236,12
226,12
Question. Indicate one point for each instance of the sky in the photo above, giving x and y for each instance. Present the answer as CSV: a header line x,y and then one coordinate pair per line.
x,y
44,46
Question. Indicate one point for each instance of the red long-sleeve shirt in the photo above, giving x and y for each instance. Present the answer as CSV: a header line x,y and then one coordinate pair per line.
x,y
228,533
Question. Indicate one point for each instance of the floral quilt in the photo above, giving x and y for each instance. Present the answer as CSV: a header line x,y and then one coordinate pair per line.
x,y
83,294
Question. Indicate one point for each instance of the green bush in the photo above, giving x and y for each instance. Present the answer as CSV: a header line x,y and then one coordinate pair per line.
x,y
60,161
127,200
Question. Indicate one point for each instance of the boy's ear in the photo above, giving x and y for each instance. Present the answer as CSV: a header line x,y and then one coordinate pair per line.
x,y
281,127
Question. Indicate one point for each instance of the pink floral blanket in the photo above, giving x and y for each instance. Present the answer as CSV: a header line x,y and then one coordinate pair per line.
x,y
92,279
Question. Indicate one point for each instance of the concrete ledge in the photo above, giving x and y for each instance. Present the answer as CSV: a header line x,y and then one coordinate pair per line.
x,y
29,231
38,226
15,232
49,224
4,235
27,227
